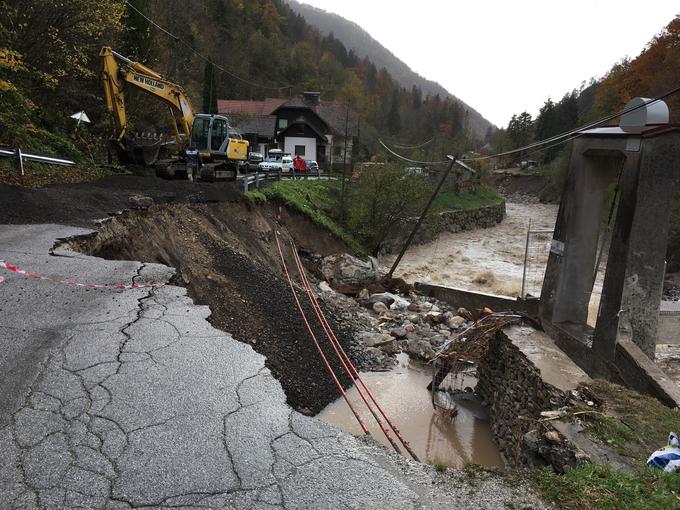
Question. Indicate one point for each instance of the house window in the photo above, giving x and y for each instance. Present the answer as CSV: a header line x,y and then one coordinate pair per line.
x,y
283,123
299,150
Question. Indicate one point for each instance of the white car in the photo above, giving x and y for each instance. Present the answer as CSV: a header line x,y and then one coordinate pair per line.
x,y
276,162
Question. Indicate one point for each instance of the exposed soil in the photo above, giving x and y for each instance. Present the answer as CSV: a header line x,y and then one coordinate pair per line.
x,y
226,254
81,203
522,187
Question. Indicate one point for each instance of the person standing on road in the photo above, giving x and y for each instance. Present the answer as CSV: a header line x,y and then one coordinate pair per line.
x,y
193,162
297,163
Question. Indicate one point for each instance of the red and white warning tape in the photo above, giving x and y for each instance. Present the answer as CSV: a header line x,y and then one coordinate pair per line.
x,y
6,265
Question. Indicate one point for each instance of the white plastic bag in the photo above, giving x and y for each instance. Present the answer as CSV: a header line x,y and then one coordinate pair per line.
x,y
668,457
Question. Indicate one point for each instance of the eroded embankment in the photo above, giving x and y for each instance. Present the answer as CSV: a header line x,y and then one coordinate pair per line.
x,y
226,255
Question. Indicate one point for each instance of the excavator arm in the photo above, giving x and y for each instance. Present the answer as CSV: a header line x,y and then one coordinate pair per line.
x,y
119,72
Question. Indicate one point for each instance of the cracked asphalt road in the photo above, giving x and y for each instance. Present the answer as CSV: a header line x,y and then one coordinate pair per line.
x,y
131,399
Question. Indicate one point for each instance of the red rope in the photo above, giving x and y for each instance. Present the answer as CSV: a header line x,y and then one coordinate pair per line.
x,y
335,344
316,343
343,354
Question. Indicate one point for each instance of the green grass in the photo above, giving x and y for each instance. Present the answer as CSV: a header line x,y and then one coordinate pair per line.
x,y
635,424
483,196
256,197
591,487
315,199
440,466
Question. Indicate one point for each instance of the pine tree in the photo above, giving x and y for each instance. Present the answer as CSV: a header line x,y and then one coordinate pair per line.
x,y
209,88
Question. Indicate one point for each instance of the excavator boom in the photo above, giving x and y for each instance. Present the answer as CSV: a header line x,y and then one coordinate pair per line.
x,y
119,72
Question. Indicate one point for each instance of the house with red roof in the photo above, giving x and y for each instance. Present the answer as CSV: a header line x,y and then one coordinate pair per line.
x,y
302,125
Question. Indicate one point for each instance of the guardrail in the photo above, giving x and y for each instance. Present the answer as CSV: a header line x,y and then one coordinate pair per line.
x,y
21,156
259,177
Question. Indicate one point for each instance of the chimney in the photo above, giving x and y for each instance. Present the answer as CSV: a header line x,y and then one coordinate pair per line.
x,y
312,97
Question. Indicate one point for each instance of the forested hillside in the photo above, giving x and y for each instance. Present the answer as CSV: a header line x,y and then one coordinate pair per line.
x,y
49,68
360,42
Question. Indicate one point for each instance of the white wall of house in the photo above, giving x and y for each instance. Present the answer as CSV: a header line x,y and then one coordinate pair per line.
x,y
309,143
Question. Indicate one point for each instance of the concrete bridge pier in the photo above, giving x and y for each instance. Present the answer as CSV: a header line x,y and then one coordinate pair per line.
x,y
641,157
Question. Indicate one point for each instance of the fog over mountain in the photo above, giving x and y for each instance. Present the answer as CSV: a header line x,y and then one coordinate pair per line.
x,y
357,39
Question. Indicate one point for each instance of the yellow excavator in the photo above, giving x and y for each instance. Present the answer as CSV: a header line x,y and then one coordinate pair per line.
x,y
220,147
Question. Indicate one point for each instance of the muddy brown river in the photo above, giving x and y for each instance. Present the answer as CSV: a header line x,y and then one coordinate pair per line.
x,y
488,260
435,437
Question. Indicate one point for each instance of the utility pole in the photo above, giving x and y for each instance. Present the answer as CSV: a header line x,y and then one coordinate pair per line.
x,y
422,216
344,169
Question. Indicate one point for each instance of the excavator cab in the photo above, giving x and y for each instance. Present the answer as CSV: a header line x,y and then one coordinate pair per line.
x,y
210,134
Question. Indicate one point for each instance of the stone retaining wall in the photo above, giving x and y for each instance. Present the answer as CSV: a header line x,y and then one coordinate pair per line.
x,y
522,374
446,221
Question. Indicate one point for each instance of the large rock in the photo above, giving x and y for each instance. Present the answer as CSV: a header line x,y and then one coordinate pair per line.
x,y
370,339
380,307
420,349
398,332
455,322
378,298
345,270
396,302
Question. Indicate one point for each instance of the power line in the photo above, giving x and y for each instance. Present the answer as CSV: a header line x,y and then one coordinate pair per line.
x,y
417,162
203,57
400,146
554,141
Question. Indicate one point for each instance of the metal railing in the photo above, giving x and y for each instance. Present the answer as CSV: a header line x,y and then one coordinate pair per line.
x,y
20,156
536,251
258,178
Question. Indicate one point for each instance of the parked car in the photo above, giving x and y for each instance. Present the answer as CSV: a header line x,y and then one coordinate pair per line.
x,y
287,164
254,160
528,165
277,160
312,166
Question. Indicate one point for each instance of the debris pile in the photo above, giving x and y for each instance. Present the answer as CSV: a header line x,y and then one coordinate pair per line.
x,y
387,323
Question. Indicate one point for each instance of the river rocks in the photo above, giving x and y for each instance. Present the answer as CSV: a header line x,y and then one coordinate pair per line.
x,y
397,302
388,322
434,317
380,307
372,339
455,322
398,332
420,349
324,287
378,298
465,314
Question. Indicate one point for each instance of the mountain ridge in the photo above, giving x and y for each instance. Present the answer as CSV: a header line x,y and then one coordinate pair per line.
x,y
354,37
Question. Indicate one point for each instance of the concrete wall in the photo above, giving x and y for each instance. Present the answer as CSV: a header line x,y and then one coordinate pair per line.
x,y
475,302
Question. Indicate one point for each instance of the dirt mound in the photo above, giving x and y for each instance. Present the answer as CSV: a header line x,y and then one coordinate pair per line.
x,y
522,186
81,203
226,255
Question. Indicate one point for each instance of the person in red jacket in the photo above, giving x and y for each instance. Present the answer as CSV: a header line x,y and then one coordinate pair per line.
x,y
297,163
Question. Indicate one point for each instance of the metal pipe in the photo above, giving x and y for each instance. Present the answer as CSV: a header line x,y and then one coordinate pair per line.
x,y
10,153
408,242
526,258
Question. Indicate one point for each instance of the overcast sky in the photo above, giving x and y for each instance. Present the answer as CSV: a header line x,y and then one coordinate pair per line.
x,y
506,56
